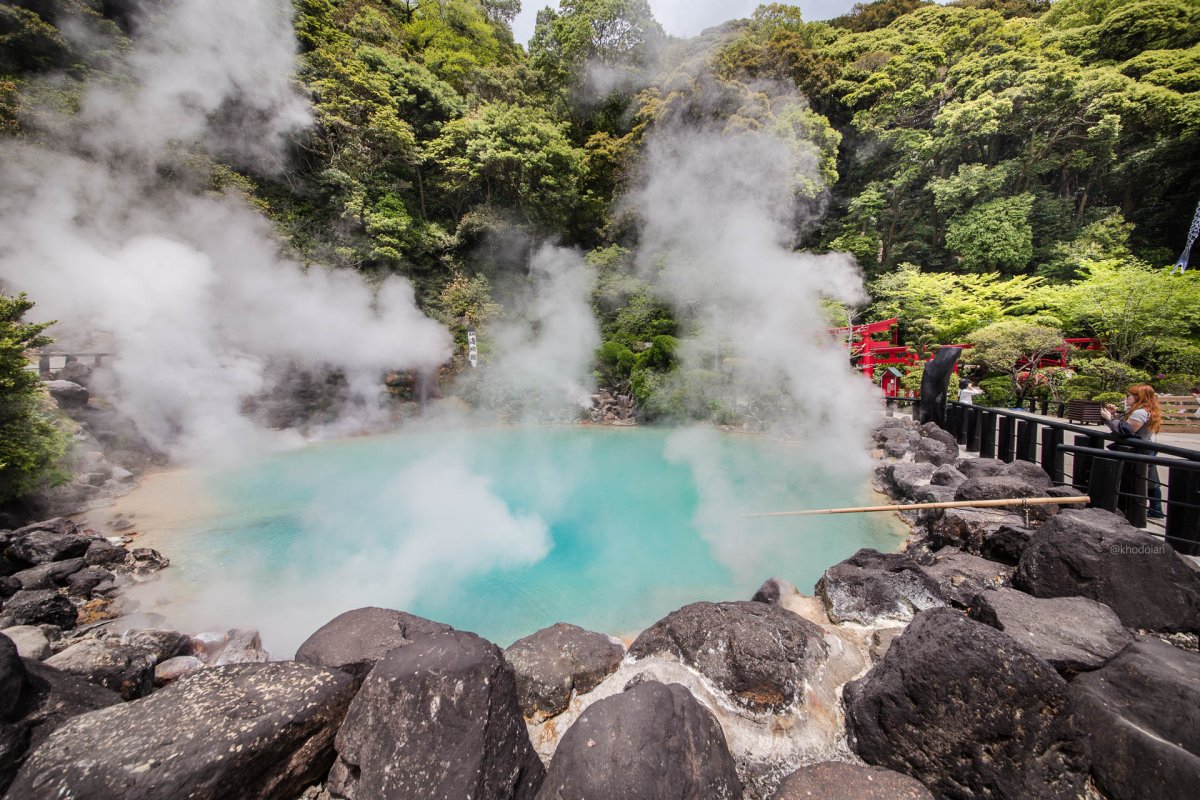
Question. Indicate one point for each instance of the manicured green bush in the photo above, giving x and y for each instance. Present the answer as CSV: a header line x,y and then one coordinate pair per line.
x,y
997,392
1116,398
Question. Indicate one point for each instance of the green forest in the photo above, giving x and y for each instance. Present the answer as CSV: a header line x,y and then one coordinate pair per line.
x,y
1005,172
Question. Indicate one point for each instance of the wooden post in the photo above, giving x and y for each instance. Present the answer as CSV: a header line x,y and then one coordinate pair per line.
x,y
1052,457
987,435
1103,483
1005,448
973,417
1027,440
1183,510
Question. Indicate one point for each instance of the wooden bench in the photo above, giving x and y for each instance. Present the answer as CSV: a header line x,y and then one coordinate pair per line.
x,y
1179,413
1085,411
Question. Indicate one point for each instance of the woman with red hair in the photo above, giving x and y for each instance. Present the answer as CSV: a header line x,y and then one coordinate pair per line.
x,y
1141,420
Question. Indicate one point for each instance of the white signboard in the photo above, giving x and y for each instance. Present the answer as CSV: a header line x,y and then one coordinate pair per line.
x,y
472,349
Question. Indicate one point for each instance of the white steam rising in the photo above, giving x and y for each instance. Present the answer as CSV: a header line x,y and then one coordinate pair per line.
x,y
548,353
107,235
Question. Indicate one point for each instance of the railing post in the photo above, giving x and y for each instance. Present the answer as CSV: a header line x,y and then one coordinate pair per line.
x,y
1135,499
1104,482
962,419
1027,431
987,435
1005,444
1183,510
1052,457
1081,464
974,419
43,366
954,419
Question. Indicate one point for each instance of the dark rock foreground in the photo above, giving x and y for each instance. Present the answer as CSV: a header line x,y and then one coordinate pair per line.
x,y
836,780
760,654
246,731
968,712
556,661
437,720
355,641
650,742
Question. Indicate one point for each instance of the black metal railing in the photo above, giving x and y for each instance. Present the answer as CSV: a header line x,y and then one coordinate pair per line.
x,y
1116,479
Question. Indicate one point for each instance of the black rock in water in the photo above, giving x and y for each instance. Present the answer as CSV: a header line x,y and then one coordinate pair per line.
x,y
246,731
871,586
968,712
651,742
354,641
557,660
1073,634
837,780
437,720
1097,554
760,654
1142,716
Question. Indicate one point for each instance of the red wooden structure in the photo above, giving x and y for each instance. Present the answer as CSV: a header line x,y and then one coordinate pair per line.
x,y
876,344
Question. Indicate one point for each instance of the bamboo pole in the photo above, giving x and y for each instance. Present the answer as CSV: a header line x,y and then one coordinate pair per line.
x,y
1024,502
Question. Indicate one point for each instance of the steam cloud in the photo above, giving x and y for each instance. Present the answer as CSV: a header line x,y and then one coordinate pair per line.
x,y
191,285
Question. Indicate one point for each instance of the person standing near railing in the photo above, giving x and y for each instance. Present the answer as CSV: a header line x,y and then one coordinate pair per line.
x,y
1141,420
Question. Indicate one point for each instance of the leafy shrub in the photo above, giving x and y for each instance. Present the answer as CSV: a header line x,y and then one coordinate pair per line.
x,y
997,391
1081,387
1114,376
1175,383
614,363
1116,398
31,446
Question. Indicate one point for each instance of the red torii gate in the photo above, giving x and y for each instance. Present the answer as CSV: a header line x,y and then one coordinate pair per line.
x,y
872,352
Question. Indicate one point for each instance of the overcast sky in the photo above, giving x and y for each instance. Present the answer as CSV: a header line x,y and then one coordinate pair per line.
x,y
689,17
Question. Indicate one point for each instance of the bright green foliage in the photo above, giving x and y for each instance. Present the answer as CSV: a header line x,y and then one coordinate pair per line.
x,y
994,235
942,308
1008,347
513,156
31,447
1129,305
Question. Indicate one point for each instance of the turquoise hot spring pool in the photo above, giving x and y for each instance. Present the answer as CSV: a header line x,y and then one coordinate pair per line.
x,y
500,531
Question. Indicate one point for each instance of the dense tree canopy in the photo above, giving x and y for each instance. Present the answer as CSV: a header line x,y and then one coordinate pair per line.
x,y
984,161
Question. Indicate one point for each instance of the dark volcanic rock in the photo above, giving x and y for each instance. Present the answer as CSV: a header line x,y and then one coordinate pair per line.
x,y
68,394
86,580
246,731
902,480
1006,545
437,718
1026,472
1071,633
933,451
12,677
1142,715
836,780
101,553
1096,554
961,576
41,546
968,712
651,742
50,575
160,643
128,671
933,494
144,561
354,641
775,591
759,653
1000,487
557,660
980,467
46,700
968,528
38,607
945,475
871,586
244,646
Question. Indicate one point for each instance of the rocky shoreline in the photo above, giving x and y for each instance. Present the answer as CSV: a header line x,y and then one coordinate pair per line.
x,y
997,656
